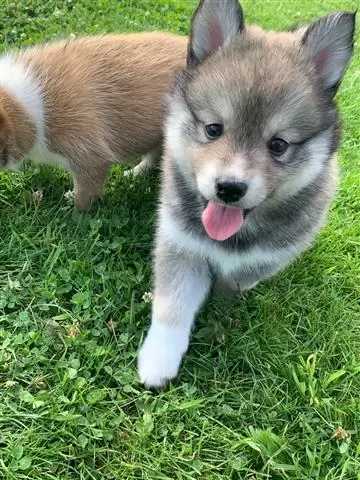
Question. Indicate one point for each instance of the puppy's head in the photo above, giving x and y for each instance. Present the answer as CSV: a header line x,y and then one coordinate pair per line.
x,y
252,118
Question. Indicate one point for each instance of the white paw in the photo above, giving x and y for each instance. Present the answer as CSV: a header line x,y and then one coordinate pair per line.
x,y
146,164
160,355
133,172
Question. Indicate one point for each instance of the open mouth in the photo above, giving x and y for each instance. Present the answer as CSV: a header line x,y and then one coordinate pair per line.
x,y
221,221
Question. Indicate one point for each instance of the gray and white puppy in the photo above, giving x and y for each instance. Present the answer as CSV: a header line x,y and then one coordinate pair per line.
x,y
249,169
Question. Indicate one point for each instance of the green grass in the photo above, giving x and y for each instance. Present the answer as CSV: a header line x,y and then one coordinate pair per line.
x,y
267,381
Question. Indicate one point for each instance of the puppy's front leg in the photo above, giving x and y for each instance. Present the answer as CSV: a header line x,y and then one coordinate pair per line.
x,y
181,285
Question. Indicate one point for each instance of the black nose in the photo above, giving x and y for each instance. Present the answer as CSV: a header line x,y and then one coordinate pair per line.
x,y
230,191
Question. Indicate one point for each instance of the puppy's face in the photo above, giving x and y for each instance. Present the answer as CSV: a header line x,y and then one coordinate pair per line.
x,y
253,116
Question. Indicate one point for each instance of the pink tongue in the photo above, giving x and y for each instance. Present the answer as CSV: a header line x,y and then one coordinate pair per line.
x,y
221,222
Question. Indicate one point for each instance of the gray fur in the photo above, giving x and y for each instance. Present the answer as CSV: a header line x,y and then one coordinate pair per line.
x,y
215,23
278,224
333,34
258,86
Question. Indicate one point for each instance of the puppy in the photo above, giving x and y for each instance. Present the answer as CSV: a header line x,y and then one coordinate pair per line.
x,y
249,169
87,103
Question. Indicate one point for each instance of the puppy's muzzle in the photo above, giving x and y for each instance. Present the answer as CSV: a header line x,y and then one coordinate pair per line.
x,y
231,191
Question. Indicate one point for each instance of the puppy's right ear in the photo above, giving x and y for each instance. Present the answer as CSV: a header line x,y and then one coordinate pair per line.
x,y
329,43
214,24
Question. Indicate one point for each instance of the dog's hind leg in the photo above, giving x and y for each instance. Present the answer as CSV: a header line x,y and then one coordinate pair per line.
x,y
89,185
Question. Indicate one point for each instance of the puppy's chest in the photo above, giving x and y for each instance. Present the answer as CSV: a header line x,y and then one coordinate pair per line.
x,y
256,261
259,259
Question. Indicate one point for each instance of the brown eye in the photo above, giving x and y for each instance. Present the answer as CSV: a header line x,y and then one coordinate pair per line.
x,y
277,146
213,130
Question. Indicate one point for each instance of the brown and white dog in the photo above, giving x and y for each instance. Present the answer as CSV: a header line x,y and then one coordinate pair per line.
x,y
249,165
87,103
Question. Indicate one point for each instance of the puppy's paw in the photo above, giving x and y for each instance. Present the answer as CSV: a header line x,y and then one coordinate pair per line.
x,y
133,172
157,364
147,163
160,356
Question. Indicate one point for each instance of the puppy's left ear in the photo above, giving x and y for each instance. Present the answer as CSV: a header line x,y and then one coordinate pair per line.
x,y
329,42
215,23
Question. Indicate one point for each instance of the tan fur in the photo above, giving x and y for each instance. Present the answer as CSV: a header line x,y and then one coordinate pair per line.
x,y
103,101
273,37
17,131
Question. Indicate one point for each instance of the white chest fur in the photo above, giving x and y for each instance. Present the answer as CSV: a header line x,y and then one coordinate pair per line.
x,y
224,261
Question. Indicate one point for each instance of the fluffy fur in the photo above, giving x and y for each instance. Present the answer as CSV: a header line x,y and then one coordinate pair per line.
x,y
87,103
259,86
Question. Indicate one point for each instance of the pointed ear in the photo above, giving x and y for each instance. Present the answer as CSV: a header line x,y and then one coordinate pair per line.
x,y
329,43
214,23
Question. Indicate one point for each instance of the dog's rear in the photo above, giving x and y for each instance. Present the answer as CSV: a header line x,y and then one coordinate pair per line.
x,y
111,86
249,169
94,101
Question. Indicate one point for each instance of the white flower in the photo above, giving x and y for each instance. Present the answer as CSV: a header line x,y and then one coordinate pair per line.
x,y
57,13
111,325
70,196
37,196
9,383
148,297
14,284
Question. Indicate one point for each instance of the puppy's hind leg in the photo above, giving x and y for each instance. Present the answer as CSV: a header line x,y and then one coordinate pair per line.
x,y
148,162
89,184
181,286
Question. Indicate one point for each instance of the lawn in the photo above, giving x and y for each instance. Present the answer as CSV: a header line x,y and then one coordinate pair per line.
x,y
270,388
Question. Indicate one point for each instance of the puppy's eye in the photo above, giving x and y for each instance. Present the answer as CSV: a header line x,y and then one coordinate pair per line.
x,y
277,146
214,130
